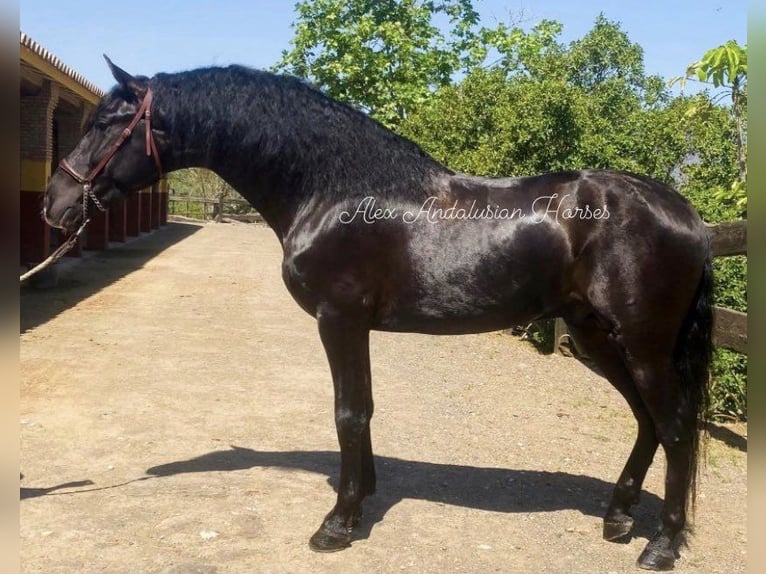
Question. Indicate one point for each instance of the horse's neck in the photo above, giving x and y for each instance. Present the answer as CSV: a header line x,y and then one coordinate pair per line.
x,y
208,143
276,164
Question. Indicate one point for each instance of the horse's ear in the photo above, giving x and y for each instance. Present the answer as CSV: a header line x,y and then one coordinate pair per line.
x,y
137,86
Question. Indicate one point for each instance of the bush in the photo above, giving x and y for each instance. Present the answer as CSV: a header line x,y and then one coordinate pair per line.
x,y
728,395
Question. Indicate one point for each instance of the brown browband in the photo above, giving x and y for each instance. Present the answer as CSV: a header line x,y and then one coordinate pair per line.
x,y
151,147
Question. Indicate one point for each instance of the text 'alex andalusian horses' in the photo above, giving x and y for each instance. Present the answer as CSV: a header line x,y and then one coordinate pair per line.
x,y
378,235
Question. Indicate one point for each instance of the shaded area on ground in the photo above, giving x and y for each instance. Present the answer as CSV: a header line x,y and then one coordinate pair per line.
x,y
727,436
94,273
494,489
482,488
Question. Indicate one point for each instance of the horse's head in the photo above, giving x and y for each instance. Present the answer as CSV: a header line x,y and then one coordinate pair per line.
x,y
117,154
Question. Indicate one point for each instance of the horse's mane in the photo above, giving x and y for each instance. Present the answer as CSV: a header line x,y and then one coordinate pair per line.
x,y
286,124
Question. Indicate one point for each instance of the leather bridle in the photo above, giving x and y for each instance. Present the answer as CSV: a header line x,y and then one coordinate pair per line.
x,y
86,181
144,111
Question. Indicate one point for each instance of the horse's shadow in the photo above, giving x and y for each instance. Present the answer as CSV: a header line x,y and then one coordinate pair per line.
x,y
483,488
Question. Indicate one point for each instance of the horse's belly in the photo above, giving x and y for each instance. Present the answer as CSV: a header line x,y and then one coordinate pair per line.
x,y
453,308
451,325
485,282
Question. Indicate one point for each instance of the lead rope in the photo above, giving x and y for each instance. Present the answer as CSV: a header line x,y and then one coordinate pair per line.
x,y
71,240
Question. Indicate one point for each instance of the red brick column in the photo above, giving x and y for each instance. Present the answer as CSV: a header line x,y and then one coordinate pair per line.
x,y
36,153
118,221
146,210
70,128
133,215
163,202
164,208
97,232
156,205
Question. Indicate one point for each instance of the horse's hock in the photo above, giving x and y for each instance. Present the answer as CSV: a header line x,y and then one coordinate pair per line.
x,y
177,415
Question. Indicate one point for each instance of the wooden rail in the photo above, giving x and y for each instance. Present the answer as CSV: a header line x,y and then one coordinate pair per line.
x,y
729,238
211,208
729,326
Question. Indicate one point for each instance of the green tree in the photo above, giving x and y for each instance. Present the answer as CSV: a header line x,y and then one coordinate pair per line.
x,y
493,125
605,53
199,182
382,56
544,106
536,54
726,67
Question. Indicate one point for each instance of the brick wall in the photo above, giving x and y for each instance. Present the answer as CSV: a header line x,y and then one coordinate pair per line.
x,y
36,123
69,130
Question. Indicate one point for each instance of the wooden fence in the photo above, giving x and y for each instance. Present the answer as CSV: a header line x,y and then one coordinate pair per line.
x,y
207,208
730,326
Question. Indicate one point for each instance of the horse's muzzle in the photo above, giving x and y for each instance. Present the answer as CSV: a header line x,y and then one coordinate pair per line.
x,y
69,220
62,203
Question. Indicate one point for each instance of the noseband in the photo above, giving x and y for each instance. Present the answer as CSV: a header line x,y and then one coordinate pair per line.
x,y
151,150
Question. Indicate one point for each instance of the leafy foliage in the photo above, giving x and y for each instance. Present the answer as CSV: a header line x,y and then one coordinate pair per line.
x,y
726,66
384,57
583,112
199,182
728,395
475,127
605,53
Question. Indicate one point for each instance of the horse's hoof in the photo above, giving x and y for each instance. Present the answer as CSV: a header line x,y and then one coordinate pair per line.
x,y
658,555
617,531
326,541
617,528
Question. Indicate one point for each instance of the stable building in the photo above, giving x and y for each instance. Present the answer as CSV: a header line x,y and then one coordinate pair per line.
x,y
54,105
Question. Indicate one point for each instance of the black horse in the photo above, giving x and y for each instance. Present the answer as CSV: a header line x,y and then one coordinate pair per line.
x,y
378,235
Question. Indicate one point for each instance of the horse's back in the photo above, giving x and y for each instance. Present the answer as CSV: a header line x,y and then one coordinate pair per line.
x,y
614,207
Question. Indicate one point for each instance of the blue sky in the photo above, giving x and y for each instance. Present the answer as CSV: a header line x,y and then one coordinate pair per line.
x,y
146,37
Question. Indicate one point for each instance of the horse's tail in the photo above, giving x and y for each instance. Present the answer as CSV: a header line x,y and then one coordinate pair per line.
x,y
692,357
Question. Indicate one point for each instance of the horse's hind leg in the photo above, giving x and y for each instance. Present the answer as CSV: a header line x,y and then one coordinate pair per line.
x,y
648,381
597,343
676,427
346,342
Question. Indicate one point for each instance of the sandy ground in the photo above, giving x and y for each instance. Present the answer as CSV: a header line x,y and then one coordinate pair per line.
x,y
177,417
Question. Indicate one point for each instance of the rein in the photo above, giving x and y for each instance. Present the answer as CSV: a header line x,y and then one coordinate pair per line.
x,y
87,181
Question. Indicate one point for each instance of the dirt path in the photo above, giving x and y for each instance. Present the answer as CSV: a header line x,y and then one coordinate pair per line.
x,y
177,417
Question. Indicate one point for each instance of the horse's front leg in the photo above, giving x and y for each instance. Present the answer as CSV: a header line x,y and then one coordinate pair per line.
x,y
346,342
